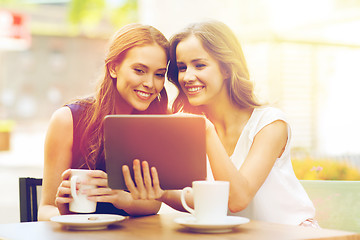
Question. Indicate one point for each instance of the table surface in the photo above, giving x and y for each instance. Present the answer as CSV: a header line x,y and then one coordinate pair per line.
x,y
162,226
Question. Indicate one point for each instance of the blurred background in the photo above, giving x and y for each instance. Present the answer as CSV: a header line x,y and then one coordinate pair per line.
x,y
303,56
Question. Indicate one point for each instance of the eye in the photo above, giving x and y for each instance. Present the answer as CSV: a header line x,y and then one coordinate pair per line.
x,y
160,75
200,65
139,71
182,68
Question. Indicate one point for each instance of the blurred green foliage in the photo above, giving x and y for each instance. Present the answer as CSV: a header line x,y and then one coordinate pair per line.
x,y
91,12
86,11
308,168
9,3
6,1
6,125
127,13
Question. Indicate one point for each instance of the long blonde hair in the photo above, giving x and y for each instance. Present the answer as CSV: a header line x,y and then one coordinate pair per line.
x,y
104,102
221,43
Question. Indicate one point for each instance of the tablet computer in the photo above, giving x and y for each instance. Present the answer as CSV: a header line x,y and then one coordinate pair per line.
x,y
174,144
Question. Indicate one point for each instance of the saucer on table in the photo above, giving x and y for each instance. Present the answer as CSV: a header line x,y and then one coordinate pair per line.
x,y
87,221
227,225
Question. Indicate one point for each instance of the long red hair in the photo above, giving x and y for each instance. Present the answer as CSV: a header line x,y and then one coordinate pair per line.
x,y
104,101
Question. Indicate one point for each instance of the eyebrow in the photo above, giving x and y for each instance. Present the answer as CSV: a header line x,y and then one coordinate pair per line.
x,y
194,60
144,66
140,65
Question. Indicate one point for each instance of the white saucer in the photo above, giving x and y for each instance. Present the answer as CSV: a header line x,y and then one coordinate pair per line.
x,y
87,221
225,226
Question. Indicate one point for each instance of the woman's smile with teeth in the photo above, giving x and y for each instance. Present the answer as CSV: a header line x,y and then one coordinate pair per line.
x,y
143,94
194,89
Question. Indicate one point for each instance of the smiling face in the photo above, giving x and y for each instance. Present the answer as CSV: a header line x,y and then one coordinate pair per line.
x,y
200,75
141,75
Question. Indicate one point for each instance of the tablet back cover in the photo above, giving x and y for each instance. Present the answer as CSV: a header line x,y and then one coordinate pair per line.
x,y
175,145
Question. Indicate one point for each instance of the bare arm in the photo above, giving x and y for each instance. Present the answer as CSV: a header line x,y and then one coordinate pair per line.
x,y
56,185
268,145
57,158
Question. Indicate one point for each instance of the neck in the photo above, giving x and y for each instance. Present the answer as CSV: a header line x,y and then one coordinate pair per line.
x,y
122,107
229,121
225,115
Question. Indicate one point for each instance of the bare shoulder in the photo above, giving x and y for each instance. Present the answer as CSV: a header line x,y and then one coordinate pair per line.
x,y
62,116
278,128
279,125
61,125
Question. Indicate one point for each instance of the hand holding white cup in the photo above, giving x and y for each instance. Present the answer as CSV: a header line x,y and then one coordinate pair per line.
x,y
80,203
210,201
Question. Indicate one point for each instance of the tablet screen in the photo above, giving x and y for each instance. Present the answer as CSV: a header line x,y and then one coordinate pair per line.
x,y
174,144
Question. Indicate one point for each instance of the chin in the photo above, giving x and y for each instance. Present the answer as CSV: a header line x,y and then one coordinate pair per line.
x,y
196,103
141,108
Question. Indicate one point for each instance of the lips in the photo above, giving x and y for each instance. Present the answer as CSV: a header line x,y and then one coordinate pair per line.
x,y
192,90
143,95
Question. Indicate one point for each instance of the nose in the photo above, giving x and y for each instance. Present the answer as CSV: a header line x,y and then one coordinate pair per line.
x,y
189,75
148,82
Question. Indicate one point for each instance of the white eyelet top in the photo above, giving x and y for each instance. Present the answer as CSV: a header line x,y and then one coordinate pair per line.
x,y
281,199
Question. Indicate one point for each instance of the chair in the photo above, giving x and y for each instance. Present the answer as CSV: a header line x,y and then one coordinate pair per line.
x,y
29,193
337,203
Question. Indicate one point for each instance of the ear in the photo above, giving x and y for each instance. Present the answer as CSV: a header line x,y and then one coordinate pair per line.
x,y
112,71
226,73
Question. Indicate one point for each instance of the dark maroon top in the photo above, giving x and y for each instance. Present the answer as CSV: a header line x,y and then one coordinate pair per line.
x,y
78,160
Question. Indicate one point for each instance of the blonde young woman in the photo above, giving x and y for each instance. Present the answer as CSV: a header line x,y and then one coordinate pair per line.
x,y
247,144
133,82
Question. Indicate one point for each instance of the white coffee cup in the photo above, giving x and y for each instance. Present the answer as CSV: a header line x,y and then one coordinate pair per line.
x,y
210,201
81,203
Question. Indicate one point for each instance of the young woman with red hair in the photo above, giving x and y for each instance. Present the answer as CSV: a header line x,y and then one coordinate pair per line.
x,y
133,83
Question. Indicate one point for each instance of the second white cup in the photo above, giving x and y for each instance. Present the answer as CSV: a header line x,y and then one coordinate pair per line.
x,y
80,203
210,201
